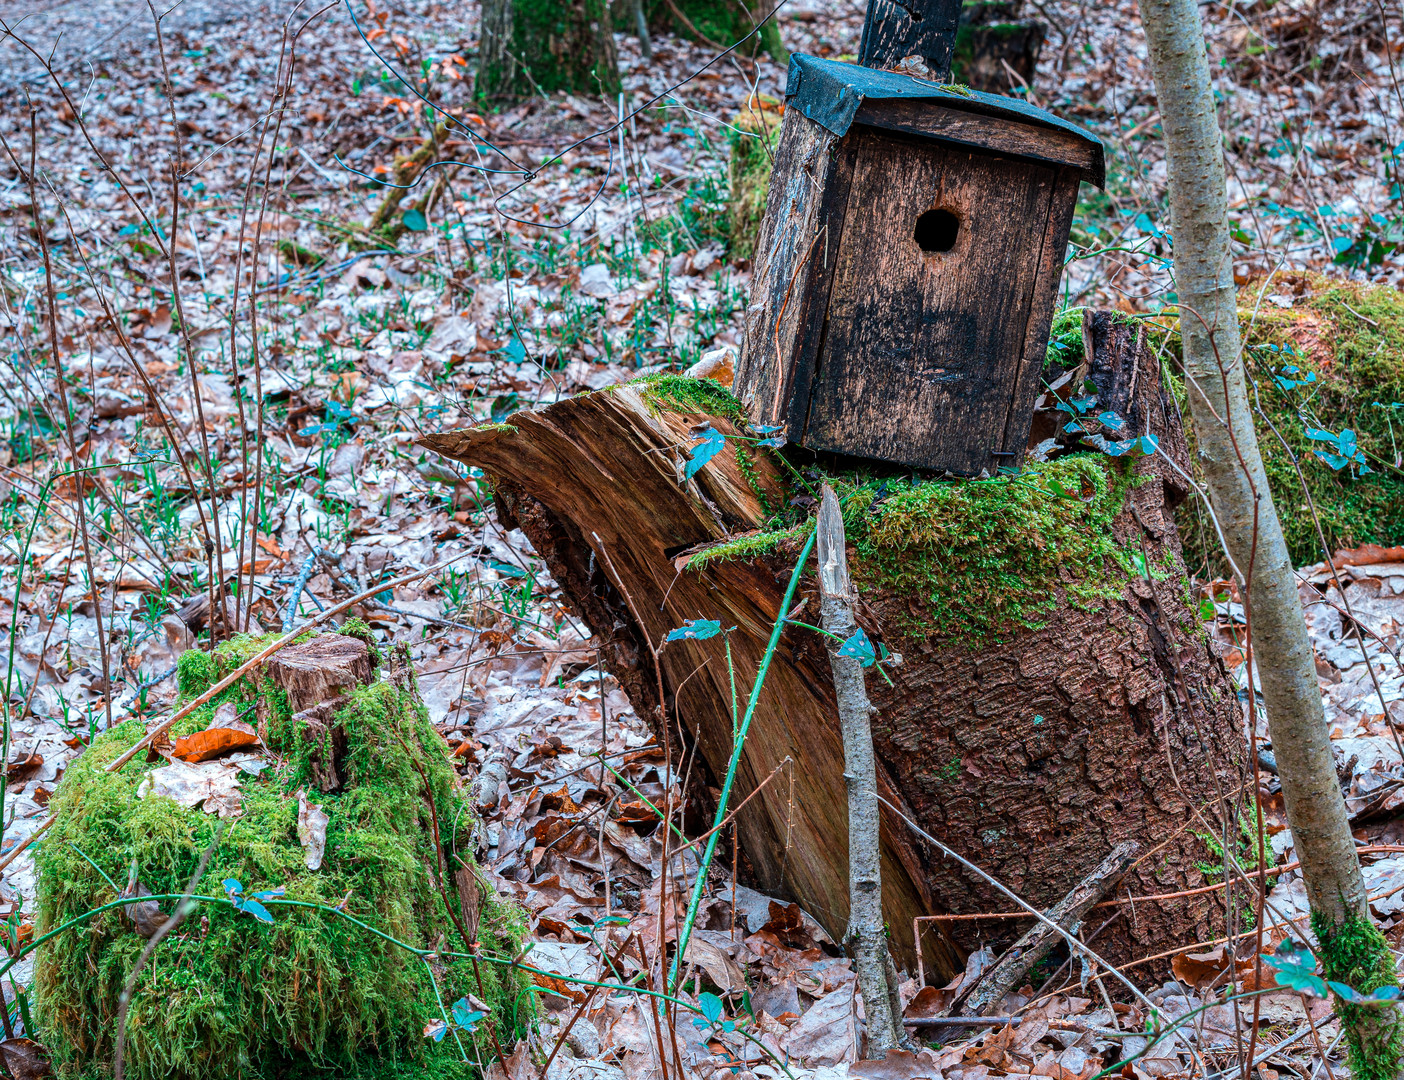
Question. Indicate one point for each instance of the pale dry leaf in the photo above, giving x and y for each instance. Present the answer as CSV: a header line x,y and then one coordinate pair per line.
x,y
311,830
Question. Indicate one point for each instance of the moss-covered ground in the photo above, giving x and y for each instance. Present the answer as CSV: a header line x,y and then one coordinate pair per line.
x,y
1332,361
312,994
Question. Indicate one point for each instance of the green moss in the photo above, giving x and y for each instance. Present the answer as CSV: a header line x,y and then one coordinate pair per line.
x,y
227,996
722,22
1064,341
977,559
557,45
1356,953
360,630
195,673
678,393
753,137
1351,338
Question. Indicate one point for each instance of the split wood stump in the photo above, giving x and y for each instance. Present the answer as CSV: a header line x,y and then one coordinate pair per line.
x,y
1089,714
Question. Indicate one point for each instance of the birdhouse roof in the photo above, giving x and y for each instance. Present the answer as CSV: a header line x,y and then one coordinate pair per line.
x,y
835,95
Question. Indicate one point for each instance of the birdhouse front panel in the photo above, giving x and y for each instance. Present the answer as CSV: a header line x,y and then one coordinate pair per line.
x,y
907,269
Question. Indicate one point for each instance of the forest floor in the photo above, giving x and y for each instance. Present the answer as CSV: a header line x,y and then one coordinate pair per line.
x,y
613,261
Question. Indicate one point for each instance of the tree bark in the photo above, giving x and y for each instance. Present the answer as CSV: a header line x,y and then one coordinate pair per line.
x,y
893,31
542,46
1238,492
720,24
865,930
1033,755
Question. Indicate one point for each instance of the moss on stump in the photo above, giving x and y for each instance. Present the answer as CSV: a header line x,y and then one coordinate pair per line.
x,y
1331,361
312,994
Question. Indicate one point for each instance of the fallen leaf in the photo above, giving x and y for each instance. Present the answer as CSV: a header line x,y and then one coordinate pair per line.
x,y
212,742
899,1065
26,1059
311,830
213,783
21,768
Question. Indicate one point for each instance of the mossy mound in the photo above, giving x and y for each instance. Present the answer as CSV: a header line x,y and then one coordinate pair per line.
x,y
1333,360
754,135
312,994
977,560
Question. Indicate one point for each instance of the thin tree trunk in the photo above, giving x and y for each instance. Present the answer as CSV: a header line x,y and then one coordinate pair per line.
x,y
865,936
1352,949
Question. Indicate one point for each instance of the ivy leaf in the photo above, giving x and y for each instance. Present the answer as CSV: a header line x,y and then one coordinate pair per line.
x,y
712,442
766,429
435,1029
711,1006
1296,969
1149,444
859,647
254,908
1336,461
695,630
233,889
776,442
1084,403
1073,426
269,894
1111,420
1319,435
415,221
465,1016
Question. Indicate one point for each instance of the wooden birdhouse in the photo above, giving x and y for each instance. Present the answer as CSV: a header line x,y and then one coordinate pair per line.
x,y
908,267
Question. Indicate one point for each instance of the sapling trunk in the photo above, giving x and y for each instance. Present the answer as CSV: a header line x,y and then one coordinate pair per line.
x,y
865,936
1352,950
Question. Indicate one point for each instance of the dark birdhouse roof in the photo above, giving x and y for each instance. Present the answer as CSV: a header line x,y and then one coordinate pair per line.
x,y
831,93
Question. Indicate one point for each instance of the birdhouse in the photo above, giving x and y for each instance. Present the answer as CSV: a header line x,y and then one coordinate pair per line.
x,y
908,267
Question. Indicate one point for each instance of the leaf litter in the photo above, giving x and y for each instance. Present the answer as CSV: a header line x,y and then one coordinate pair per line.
x,y
364,350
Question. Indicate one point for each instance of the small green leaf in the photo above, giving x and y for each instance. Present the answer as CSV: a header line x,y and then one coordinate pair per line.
x,y
711,1006
415,221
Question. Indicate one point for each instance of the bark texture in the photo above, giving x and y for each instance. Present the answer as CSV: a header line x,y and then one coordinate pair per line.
x,y
1034,755
1238,491
865,930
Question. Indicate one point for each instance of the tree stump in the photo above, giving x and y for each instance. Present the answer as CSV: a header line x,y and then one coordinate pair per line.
x,y
1056,696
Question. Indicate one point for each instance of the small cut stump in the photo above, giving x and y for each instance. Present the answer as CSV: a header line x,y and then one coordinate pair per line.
x,y
1034,749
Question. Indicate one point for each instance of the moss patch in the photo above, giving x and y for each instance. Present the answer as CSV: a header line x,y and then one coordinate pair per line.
x,y
977,559
1354,952
753,138
312,994
1350,339
679,393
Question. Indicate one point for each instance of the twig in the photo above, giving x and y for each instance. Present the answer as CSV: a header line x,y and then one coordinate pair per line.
x,y
182,909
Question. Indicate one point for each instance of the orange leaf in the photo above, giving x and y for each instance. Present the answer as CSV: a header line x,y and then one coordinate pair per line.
x,y
375,32
212,742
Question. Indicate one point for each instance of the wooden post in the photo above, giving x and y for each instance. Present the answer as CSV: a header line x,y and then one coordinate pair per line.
x,y
925,28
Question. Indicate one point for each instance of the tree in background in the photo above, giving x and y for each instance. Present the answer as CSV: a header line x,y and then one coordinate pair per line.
x,y
718,24
541,46
1351,948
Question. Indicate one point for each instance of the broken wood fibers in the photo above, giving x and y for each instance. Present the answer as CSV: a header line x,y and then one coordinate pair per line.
x,y
1034,755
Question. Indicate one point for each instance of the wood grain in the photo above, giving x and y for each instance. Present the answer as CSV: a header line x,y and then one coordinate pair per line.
x,y
1005,136
922,353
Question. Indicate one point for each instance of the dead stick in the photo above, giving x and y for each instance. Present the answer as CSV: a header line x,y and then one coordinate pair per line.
x,y
865,925
1011,968
287,639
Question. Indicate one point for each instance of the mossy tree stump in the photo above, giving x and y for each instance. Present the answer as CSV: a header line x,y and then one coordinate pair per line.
x,y
541,46
312,994
1057,695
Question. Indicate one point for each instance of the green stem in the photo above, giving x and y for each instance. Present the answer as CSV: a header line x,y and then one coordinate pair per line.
x,y
700,884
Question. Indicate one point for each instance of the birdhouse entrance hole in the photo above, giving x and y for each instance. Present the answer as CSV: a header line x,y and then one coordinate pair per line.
x,y
936,230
